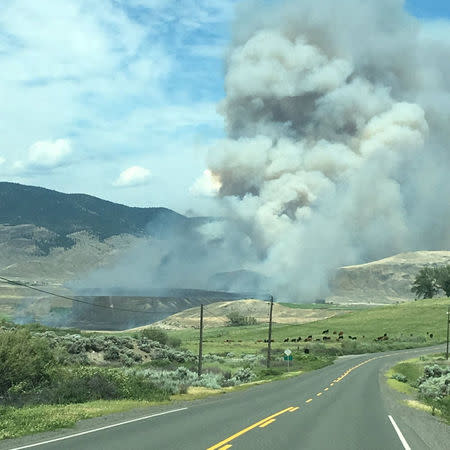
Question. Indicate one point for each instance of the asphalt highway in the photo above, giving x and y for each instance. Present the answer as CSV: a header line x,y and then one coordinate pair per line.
x,y
340,407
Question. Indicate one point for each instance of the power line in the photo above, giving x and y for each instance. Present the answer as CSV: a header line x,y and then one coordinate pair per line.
x,y
110,308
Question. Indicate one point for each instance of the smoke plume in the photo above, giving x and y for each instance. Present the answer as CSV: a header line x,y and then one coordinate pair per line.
x,y
337,115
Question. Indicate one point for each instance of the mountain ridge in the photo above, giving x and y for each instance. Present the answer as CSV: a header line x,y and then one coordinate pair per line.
x,y
65,214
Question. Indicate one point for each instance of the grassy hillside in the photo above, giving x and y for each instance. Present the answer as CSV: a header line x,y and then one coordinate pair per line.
x,y
398,321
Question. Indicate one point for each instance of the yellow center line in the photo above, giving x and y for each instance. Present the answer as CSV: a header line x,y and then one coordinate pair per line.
x,y
294,409
331,384
225,447
267,423
319,394
326,389
220,444
309,400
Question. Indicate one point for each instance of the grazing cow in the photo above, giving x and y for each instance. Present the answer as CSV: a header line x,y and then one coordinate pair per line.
x,y
286,340
259,340
299,339
341,333
341,337
354,338
334,332
306,351
382,338
293,340
317,340
325,331
326,338
431,335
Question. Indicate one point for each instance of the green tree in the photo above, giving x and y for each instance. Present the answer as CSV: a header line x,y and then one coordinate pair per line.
x,y
425,283
442,276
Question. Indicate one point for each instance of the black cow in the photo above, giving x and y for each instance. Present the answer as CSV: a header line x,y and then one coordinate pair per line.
x,y
325,331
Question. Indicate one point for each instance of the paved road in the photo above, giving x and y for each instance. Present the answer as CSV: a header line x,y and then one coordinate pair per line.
x,y
339,407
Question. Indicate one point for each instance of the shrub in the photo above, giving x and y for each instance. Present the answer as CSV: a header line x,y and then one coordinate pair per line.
x,y
155,334
81,384
235,319
24,360
174,342
244,375
399,377
112,353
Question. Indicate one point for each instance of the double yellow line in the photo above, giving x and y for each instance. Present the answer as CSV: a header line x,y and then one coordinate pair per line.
x,y
223,445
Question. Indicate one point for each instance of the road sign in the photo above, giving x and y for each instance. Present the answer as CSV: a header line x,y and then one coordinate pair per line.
x,y
288,357
287,352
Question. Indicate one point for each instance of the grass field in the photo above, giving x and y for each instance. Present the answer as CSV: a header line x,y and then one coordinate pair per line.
x,y
398,321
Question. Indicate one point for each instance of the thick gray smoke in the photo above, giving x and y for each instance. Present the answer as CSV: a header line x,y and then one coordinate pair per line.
x,y
337,115
338,151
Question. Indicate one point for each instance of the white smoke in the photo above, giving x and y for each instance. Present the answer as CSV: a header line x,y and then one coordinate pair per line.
x,y
338,140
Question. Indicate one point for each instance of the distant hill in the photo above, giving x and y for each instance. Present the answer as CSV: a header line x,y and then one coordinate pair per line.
x,y
64,214
388,280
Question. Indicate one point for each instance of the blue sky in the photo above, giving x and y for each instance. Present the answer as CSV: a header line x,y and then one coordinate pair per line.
x,y
117,98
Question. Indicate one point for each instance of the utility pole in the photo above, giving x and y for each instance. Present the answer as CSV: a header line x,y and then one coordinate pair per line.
x,y
269,342
200,345
448,329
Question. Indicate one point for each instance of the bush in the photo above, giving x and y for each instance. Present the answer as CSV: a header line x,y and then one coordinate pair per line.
x,y
399,377
81,384
434,387
244,376
24,360
155,334
235,319
112,353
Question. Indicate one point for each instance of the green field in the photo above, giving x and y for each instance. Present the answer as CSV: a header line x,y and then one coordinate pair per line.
x,y
398,321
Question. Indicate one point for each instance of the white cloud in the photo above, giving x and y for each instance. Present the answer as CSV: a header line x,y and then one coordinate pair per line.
x,y
133,176
49,154
44,156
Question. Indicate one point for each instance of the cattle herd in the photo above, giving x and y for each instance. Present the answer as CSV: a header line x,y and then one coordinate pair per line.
x,y
326,337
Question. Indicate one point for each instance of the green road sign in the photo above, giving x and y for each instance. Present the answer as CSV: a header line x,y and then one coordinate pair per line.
x,y
288,357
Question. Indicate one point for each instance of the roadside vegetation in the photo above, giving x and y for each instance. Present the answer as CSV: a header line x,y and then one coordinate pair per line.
x,y
427,379
50,378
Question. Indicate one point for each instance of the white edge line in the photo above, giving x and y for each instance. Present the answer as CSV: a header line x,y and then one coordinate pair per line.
x,y
399,434
98,429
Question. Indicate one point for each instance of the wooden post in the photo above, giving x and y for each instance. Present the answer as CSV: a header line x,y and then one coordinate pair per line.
x,y
269,343
200,345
